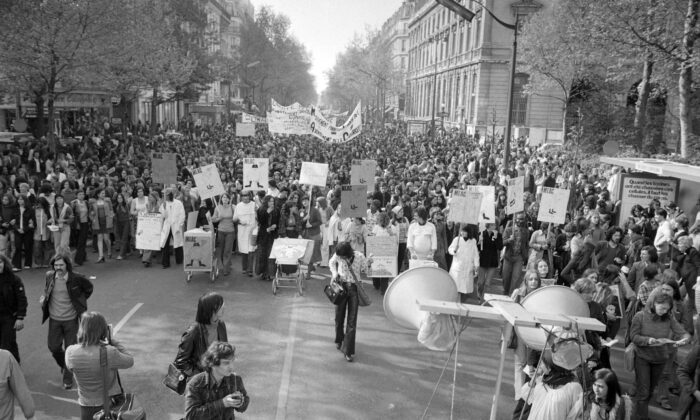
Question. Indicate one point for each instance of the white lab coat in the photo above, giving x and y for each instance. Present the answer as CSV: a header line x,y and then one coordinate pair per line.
x,y
466,259
245,215
173,214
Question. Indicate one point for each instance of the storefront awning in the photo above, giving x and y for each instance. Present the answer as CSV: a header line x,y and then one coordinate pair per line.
x,y
657,167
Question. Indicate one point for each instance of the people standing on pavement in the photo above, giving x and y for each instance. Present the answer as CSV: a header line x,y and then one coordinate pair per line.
x,y
207,328
383,227
42,237
217,392
346,266
121,226
664,235
173,213
400,223
83,360
61,220
421,238
81,211
225,235
102,217
14,387
13,307
24,235
153,206
64,300
490,246
245,216
312,230
465,264
268,218
515,240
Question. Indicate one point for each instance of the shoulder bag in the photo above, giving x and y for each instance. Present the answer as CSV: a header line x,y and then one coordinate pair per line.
x,y
362,296
175,379
119,407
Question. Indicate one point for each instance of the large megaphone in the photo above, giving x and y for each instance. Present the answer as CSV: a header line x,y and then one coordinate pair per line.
x,y
422,282
550,300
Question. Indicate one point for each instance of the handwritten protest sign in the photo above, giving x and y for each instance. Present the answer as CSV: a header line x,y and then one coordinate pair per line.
x,y
148,227
313,174
465,207
164,168
384,251
487,213
353,200
249,118
208,181
553,205
323,129
198,250
515,195
293,119
362,173
256,174
245,129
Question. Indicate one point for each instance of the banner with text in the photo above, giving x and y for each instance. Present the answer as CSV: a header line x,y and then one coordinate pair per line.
x,y
384,251
353,201
313,174
256,174
362,172
515,196
208,181
465,207
553,205
255,119
641,189
148,227
293,119
164,168
321,128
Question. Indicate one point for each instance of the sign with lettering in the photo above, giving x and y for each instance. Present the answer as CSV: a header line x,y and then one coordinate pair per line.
x,y
164,168
553,205
293,119
198,250
515,195
384,251
313,174
362,172
641,189
487,213
465,207
256,174
208,181
353,201
245,130
148,227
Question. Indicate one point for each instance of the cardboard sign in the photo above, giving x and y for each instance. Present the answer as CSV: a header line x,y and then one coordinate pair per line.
x,y
256,174
198,250
164,168
641,189
353,201
245,130
487,214
313,174
208,181
553,205
515,196
362,173
465,207
148,227
384,251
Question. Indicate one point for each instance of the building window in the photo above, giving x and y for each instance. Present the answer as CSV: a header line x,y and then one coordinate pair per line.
x,y
403,45
519,99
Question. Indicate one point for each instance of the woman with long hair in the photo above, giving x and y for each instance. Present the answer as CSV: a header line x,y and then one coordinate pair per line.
x,y
465,264
400,223
81,220
223,215
153,206
61,220
122,225
24,234
83,359
102,217
268,218
530,283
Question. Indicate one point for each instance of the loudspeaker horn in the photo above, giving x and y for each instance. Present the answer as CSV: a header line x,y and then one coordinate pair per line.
x,y
422,282
550,300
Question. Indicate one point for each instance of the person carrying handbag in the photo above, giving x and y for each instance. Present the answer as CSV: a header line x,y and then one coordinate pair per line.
x,y
345,265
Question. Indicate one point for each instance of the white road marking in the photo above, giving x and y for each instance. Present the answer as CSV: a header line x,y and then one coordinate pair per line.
x,y
68,400
283,395
127,316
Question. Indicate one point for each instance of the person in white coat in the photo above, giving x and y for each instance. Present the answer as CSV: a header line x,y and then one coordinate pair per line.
x,y
465,264
173,213
246,217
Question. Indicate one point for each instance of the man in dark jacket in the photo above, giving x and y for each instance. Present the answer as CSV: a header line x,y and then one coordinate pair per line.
x,y
64,300
13,307
516,240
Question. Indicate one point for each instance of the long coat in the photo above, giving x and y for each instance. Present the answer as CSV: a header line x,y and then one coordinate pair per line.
x,y
245,215
466,259
173,221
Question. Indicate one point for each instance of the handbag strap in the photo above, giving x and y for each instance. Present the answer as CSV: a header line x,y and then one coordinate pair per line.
x,y
105,393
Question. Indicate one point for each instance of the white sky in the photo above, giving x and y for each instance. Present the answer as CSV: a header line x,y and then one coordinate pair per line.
x,y
326,27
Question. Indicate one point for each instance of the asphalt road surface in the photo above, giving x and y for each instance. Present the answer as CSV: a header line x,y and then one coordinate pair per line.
x,y
285,351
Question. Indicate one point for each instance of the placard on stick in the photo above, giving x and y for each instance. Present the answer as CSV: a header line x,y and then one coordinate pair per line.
x,y
313,174
362,173
256,174
553,205
487,213
208,181
164,168
353,201
465,207
515,195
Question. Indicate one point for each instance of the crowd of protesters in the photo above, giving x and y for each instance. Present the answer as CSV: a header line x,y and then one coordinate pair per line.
x,y
90,194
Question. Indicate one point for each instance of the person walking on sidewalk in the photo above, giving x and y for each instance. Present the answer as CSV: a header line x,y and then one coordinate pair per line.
x,y
64,300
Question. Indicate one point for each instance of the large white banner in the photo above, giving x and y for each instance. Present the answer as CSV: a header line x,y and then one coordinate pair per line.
x,y
148,227
465,207
553,205
208,181
487,213
313,174
321,128
362,173
293,119
249,118
256,174
515,196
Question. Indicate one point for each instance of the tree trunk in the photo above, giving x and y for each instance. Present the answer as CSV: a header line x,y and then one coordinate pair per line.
x,y
565,124
154,111
39,129
640,115
685,78
50,109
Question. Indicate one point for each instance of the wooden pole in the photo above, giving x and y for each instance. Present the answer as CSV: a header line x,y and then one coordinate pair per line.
x,y
499,378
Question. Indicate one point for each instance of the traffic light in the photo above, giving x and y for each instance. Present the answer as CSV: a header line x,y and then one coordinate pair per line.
x,y
460,10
